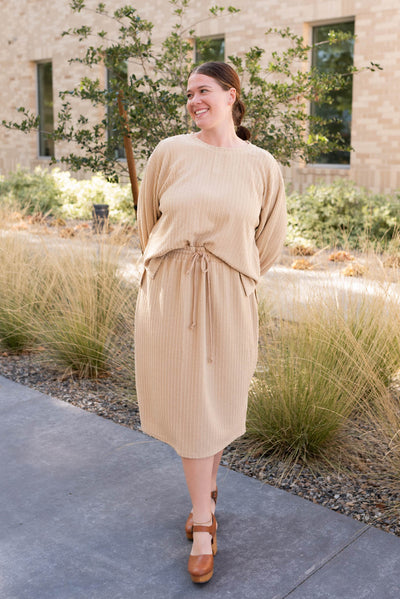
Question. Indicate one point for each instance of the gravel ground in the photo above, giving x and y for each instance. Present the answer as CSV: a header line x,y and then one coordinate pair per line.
x,y
360,496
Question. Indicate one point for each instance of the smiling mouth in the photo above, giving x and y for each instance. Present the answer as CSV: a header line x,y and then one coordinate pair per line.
x,y
199,112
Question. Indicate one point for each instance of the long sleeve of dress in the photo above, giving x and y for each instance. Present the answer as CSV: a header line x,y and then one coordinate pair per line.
x,y
148,203
271,231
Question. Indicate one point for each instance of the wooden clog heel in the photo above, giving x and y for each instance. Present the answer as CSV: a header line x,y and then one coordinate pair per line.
x,y
201,567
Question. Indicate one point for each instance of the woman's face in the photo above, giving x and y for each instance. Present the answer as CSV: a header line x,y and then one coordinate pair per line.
x,y
208,104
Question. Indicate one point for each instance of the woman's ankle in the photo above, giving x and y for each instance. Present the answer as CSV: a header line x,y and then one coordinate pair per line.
x,y
202,519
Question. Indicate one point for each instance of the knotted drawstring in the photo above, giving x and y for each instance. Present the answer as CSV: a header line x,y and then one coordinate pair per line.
x,y
200,257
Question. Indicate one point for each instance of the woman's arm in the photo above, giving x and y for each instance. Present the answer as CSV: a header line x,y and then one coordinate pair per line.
x,y
271,230
148,203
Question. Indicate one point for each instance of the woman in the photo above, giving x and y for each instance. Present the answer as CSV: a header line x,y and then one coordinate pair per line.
x,y
211,220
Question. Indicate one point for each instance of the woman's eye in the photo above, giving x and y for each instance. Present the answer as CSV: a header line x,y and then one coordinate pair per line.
x,y
190,95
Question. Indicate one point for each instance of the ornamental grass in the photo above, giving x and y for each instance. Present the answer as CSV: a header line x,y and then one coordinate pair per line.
x,y
323,376
71,301
79,327
24,285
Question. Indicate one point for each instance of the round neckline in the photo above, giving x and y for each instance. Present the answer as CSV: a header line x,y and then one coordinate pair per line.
x,y
204,143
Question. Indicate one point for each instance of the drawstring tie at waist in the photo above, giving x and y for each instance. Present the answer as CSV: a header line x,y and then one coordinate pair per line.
x,y
201,259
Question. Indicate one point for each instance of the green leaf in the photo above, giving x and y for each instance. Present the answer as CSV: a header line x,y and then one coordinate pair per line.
x,y
77,5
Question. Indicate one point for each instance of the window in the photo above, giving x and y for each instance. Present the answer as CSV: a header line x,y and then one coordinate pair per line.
x,y
335,58
115,141
45,108
210,49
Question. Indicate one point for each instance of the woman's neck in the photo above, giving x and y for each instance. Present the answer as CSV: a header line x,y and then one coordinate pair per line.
x,y
223,138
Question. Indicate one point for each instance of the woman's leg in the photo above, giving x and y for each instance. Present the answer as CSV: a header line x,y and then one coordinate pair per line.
x,y
198,473
217,459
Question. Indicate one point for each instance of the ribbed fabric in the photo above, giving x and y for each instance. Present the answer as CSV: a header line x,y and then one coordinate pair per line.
x,y
211,220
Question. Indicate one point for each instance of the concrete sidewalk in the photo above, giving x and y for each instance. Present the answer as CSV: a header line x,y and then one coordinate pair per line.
x,y
90,509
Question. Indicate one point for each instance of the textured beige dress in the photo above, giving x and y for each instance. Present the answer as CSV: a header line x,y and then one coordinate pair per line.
x,y
211,221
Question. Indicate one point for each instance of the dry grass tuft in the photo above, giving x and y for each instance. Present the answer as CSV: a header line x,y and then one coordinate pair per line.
x,y
57,222
302,264
354,270
38,218
340,256
67,233
300,249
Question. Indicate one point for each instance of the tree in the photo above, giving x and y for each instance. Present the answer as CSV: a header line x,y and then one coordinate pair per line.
x,y
150,103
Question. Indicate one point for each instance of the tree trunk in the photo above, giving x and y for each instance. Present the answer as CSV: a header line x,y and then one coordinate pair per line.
x,y
129,153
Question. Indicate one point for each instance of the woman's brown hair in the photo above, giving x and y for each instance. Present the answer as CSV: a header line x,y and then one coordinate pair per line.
x,y
227,77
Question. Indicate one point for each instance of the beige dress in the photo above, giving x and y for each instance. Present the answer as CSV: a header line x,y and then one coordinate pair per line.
x,y
211,221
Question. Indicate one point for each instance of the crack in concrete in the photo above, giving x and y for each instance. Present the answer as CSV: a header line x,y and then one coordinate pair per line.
x,y
327,560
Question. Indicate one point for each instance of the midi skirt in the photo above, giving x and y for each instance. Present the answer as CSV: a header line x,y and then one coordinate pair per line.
x,y
196,340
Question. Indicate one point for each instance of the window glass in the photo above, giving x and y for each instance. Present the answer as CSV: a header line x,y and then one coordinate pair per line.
x,y
45,107
335,58
115,141
210,49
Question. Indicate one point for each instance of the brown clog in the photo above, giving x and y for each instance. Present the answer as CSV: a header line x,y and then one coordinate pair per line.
x,y
201,567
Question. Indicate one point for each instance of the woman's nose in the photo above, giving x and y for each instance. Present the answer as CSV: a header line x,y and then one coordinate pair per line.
x,y
195,99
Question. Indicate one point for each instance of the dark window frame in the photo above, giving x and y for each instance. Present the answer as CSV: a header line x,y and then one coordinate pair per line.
x,y
337,159
210,38
45,108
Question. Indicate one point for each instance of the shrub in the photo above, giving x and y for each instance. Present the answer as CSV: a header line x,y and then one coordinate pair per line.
x,y
31,192
78,197
57,193
341,213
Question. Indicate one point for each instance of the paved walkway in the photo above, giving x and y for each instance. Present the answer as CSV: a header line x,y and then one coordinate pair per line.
x,y
90,509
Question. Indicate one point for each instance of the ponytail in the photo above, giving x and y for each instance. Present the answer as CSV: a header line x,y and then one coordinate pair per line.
x,y
238,112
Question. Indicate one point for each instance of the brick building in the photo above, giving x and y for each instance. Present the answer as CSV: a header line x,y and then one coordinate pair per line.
x,y
34,55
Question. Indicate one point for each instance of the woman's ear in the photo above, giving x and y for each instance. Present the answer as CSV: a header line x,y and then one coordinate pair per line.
x,y
232,96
